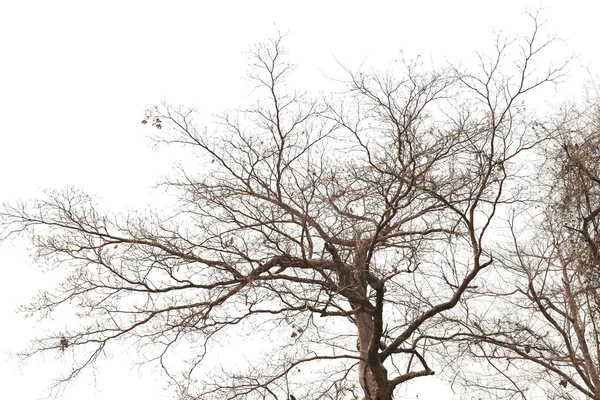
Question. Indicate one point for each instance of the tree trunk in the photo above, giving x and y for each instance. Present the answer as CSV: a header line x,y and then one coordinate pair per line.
x,y
366,374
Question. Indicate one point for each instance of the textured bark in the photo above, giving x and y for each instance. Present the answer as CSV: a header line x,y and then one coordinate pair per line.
x,y
372,374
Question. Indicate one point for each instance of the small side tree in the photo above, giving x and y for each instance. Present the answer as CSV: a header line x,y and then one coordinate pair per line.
x,y
337,231
546,319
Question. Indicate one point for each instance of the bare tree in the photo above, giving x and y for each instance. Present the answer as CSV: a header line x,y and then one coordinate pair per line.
x,y
333,233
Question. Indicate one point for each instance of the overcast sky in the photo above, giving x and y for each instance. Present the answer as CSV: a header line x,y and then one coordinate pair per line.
x,y
75,78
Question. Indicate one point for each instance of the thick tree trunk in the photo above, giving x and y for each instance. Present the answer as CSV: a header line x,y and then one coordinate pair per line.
x,y
372,375
366,374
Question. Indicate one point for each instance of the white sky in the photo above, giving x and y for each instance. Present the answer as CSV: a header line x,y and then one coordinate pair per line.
x,y
75,78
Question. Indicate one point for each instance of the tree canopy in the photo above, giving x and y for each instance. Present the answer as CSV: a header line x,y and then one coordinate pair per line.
x,y
350,239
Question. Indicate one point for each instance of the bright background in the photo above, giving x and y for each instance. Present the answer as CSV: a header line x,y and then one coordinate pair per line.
x,y
75,78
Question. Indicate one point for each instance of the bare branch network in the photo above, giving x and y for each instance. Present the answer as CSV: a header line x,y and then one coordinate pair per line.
x,y
337,247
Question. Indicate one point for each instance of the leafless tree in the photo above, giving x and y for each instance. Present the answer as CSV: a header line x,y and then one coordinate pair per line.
x,y
331,235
